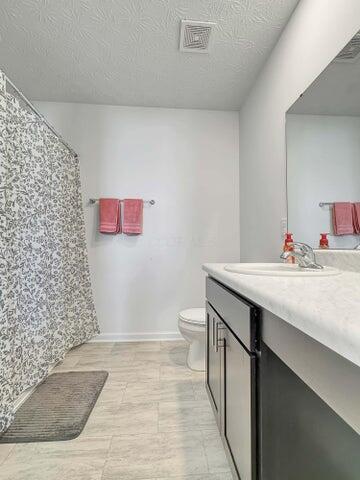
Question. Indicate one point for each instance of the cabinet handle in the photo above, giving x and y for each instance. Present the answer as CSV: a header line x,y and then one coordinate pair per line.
x,y
214,331
219,326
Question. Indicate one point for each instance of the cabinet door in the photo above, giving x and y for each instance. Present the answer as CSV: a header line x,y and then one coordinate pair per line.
x,y
213,359
238,405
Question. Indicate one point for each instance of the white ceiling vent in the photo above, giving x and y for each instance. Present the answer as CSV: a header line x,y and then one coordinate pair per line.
x,y
195,36
350,53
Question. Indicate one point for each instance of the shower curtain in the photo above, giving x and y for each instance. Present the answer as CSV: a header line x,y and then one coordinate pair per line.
x,y
46,302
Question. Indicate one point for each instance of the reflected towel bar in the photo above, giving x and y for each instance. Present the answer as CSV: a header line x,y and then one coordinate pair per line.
x,y
327,204
95,200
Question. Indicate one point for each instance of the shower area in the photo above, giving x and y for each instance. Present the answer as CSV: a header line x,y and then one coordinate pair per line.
x,y
46,302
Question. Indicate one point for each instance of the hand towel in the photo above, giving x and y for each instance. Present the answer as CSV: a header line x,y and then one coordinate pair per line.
x,y
109,215
133,216
343,218
356,217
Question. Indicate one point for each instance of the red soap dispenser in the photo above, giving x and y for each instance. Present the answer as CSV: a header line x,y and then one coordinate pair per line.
x,y
324,241
288,247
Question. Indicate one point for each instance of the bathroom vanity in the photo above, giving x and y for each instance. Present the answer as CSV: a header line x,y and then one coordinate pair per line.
x,y
283,373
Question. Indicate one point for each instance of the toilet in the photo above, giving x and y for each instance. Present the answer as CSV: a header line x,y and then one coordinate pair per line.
x,y
192,328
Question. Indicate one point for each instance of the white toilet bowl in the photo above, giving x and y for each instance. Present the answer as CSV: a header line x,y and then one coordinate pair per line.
x,y
192,328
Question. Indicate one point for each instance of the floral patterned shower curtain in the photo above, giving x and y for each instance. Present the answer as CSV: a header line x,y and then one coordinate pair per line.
x,y
45,292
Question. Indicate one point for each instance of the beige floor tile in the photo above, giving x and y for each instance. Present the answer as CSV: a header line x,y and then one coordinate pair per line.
x,y
68,364
177,352
112,393
199,389
138,392
174,344
206,476
215,453
186,415
114,380
199,376
95,348
5,449
149,390
170,358
122,419
152,356
105,361
79,459
155,456
135,372
121,347
175,373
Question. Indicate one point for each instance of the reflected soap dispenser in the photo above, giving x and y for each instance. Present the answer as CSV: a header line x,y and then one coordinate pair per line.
x,y
324,241
288,247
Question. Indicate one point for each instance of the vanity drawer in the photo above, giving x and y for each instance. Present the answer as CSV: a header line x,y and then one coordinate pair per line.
x,y
238,314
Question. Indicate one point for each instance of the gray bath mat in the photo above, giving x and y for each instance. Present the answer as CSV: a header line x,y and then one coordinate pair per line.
x,y
58,409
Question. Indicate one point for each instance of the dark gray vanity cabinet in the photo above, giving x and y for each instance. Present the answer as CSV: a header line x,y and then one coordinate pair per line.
x,y
231,366
277,396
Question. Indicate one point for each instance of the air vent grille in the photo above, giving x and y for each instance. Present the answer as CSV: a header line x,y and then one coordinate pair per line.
x,y
195,36
351,51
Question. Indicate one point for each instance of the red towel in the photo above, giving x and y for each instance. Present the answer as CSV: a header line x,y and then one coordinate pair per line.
x,y
356,217
133,216
109,215
343,218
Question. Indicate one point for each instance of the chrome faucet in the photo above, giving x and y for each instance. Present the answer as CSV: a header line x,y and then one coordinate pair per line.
x,y
304,255
357,247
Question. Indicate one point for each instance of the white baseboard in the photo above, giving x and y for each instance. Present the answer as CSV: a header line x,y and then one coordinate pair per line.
x,y
136,337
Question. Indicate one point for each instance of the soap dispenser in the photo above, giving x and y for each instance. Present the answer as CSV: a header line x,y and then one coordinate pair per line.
x,y
324,241
288,247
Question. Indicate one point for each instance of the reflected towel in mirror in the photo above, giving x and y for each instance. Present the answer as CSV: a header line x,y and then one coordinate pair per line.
x,y
343,218
356,217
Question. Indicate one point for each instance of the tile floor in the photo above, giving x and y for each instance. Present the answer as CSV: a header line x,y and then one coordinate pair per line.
x,y
152,421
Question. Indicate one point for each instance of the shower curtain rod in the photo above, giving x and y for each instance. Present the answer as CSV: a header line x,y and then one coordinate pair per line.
x,y
42,118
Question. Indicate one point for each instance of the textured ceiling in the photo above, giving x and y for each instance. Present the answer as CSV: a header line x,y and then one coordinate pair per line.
x,y
125,52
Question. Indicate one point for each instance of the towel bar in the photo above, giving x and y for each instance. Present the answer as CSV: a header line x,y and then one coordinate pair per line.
x,y
95,200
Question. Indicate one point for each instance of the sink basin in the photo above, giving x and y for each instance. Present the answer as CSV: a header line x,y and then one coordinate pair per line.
x,y
279,270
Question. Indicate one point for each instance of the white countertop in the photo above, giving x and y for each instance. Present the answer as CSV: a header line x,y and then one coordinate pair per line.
x,y
325,308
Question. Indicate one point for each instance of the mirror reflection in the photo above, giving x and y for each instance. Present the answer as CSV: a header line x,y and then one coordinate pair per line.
x,y
323,156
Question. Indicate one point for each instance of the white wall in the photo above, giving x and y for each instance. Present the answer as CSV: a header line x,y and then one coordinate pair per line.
x,y
315,33
323,165
187,161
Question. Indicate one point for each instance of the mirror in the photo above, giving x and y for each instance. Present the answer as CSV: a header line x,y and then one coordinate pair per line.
x,y
323,154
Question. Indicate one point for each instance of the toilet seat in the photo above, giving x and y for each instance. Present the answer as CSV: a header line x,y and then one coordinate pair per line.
x,y
193,316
